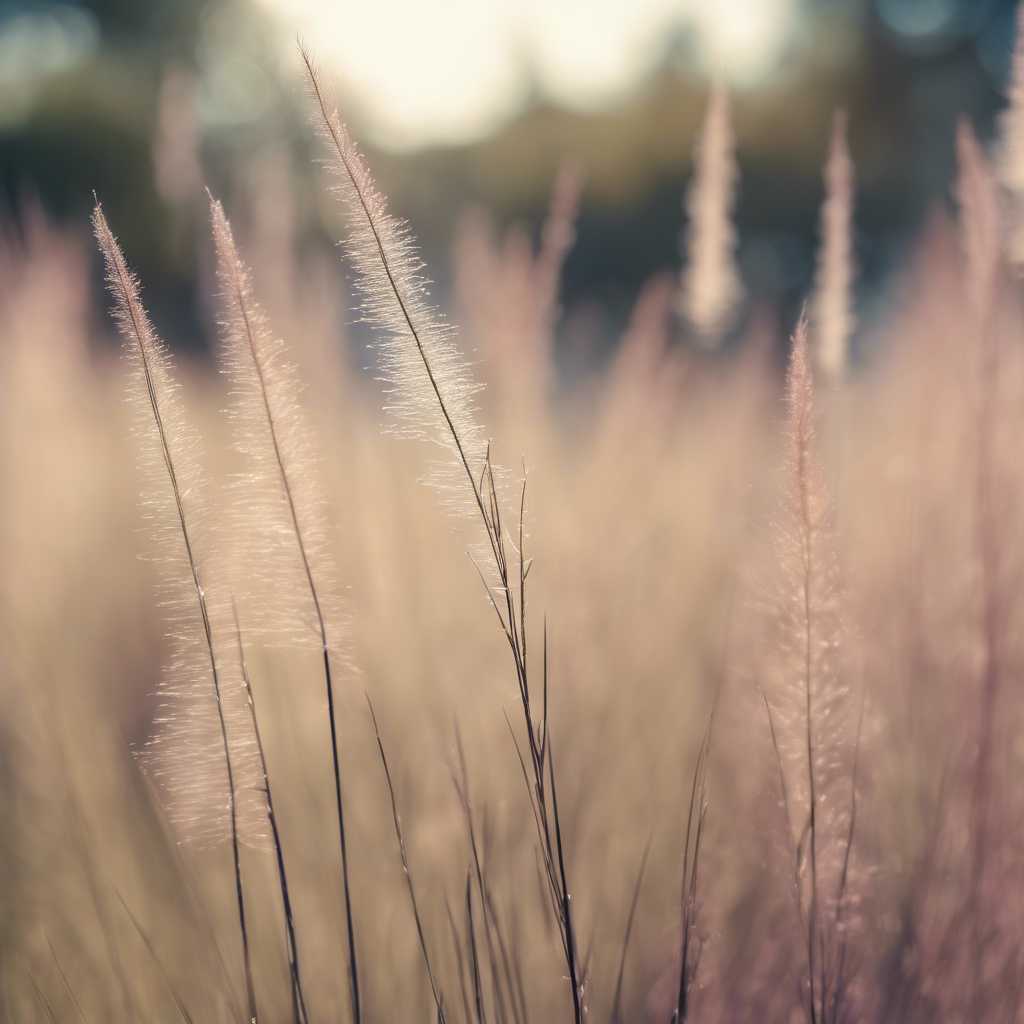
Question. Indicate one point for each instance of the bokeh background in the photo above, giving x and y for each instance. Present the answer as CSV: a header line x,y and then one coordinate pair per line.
x,y
661,510
481,103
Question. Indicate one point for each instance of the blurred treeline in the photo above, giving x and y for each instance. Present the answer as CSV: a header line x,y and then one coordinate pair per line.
x,y
82,108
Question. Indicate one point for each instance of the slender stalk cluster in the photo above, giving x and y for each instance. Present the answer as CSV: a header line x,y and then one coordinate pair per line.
x,y
277,516
208,769
430,390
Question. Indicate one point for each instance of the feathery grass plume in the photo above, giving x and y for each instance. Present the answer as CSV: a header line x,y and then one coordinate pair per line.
x,y
205,751
279,512
711,287
966,914
429,388
993,516
1011,149
814,728
833,314
288,581
430,392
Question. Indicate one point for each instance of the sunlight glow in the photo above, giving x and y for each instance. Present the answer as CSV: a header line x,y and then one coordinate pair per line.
x,y
450,71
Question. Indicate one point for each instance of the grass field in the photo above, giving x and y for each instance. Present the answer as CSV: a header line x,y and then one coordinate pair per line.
x,y
443,690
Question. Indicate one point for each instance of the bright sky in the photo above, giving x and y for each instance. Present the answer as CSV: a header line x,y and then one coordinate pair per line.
x,y
429,71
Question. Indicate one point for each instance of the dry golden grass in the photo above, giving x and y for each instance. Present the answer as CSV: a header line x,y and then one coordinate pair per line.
x,y
831,567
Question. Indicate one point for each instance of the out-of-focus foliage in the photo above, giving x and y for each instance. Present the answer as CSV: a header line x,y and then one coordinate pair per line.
x,y
827,569
82,100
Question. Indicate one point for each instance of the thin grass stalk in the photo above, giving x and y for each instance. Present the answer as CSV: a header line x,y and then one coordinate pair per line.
x,y
298,1000
109,939
809,622
570,952
517,967
370,209
481,1016
492,929
694,824
395,295
405,868
503,951
457,947
236,287
147,942
819,717
125,292
837,987
64,978
616,1015
353,967
199,904
551,891
538,735
478,870
249,990
39,997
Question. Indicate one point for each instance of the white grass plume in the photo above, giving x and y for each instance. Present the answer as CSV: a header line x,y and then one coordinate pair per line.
x,y
277,518
833,314
430,391
815,726
711,281
187,753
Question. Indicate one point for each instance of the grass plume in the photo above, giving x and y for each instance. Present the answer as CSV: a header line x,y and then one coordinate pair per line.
x,y
430,392
834,281
186,758
711,281
280,502
430,387
815,739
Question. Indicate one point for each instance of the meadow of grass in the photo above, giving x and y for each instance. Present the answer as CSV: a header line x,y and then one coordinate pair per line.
x,y
719,720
